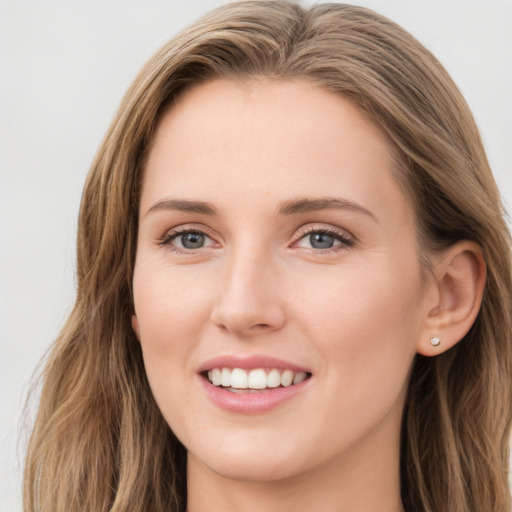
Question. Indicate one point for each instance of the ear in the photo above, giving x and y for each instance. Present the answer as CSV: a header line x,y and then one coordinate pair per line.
x,y
135,326
459,282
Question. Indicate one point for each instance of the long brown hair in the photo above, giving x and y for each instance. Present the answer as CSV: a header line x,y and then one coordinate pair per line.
x,y
100,442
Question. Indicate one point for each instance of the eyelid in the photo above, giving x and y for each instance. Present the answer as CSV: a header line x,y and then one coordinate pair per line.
x,y
346,238
191,226
165,240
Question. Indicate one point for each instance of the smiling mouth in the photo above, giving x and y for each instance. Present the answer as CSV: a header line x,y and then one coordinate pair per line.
x,y
238,380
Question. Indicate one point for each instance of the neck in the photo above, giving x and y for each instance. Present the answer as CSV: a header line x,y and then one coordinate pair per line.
x,y
362,481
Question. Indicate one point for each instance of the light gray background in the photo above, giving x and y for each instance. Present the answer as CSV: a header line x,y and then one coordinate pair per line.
x,y
64,66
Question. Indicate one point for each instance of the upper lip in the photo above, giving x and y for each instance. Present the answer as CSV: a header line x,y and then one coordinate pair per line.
x,y
249,363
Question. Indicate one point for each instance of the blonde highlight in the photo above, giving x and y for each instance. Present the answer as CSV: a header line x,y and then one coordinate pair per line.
x,y
100,442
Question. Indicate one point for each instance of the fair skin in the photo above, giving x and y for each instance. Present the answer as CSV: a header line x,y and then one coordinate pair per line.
x,y
233,262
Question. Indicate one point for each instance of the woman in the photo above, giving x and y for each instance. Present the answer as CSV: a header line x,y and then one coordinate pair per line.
x,y
293,284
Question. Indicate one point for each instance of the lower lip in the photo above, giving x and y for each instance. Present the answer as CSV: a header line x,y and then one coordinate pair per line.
x,y
251,403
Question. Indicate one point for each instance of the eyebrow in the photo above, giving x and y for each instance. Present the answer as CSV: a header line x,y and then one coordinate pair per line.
x,y
325,203
286,208
183,205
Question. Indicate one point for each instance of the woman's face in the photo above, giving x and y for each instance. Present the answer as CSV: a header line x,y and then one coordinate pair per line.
x,y
275,244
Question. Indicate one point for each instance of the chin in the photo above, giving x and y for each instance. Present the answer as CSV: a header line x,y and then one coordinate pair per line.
x,y
252,471
249,462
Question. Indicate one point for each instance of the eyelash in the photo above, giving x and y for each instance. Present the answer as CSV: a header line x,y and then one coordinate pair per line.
x,y
345,241
168,237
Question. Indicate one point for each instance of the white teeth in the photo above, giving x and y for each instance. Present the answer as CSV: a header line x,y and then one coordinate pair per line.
x,y
257,379
239,379
287,378
226,377
273,379
216,377
299,377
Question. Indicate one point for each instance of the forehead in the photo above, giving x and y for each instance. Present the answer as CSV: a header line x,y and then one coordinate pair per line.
x,y
273,138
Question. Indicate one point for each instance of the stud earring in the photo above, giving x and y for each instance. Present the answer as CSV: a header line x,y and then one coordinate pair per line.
x,y
435,342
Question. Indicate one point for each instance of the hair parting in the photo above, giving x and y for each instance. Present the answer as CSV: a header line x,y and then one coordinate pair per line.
x,y
100,442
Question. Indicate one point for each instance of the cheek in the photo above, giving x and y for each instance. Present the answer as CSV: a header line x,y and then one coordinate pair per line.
x,y
364,326
171,311
166,343
366,319
170,305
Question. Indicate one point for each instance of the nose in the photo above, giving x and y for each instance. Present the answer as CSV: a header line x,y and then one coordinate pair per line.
x,y
250,300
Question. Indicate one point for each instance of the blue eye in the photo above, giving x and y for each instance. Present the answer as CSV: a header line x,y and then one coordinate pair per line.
x,y
324,240
191,240
187,240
